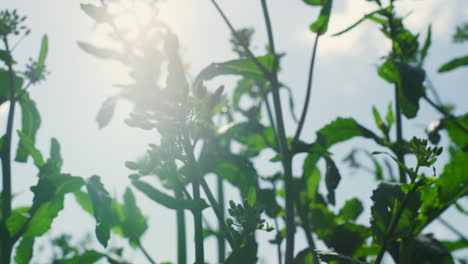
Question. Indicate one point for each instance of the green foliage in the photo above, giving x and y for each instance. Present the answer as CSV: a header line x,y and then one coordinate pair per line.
x,y
101,208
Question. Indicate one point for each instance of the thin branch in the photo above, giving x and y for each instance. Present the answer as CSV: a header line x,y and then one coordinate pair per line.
x,y
446,114
148,257
309,90
246,48
452,228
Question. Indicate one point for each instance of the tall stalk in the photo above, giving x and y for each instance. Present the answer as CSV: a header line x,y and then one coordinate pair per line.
x,y
7,244
197,214
285,156
181,237
221,235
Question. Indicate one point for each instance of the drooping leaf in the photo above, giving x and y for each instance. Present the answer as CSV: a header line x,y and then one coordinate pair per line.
x,y
31,121
351,210
84,201
134,223
166,200
332,179
106,112
328,256
409,81
102,53
24,251
99,14
101,208
368,16
454,64
321,25
341,130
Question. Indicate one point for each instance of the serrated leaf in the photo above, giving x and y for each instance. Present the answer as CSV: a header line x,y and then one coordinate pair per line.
x,y
106,112
340,130
454,64
351,210
30,121
134,223
101,208
388,198
409,81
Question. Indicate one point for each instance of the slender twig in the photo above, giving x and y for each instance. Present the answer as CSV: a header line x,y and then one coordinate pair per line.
x,y
244,46
286,159
278,243
309,91
197,214
446,114
452,228
148,257
6,164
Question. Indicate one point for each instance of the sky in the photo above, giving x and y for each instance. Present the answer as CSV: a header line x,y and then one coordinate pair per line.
x,y
345,84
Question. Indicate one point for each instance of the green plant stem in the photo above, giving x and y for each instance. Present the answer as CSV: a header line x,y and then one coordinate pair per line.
x,y
221,235
446,114
147,256
278,245
7,244
309,90
197,214
399,127
393,225
285,157
307,230
181,237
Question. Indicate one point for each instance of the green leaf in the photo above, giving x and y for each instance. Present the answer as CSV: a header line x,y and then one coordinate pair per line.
x,y
368,16
453,64
102,53
243,67
84,201
106,112
5,86
166,200
328,256
314,2
252,197
351,210
101,208
456,245
389,116
44,50
24,251
134,223
340,130
29,147
332,179
31,121
388,198
99,14
378,120
426,46
321,25
409,81
89,256
457,135
451,185
17,219
267,199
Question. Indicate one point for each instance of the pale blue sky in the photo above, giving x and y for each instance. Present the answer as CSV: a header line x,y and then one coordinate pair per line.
x,y
346,85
